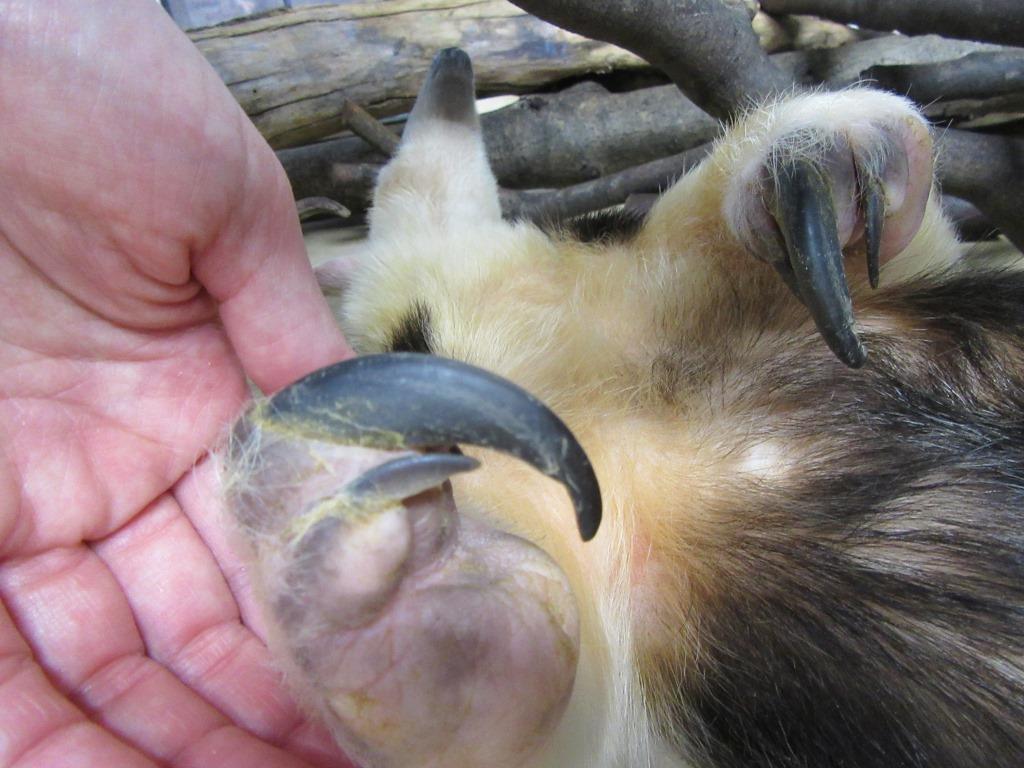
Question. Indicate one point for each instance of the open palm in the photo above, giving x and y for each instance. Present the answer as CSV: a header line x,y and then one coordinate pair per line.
x,y
149,260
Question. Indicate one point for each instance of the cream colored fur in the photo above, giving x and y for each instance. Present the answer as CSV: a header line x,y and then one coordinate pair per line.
x,y
584,327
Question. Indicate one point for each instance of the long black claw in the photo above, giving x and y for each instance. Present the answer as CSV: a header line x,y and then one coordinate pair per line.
x,y
406,400
807,219
872,201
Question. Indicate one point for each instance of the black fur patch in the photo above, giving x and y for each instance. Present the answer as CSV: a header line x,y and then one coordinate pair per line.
x,y
868,608
412,334
616,225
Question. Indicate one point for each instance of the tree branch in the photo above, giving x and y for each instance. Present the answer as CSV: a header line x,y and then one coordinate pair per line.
x,y
984,169
547,140
975,76
707,47
368,128
987,170
997,21
551,205
292,71
585,132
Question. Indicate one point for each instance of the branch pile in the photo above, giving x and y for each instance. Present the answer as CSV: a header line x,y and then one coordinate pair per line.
x,y
570,149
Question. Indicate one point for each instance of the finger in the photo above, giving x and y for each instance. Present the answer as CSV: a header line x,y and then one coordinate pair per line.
x,y
39,725
807,219
74,615
189,622
234,748
257,270
76,618
106,436
197,494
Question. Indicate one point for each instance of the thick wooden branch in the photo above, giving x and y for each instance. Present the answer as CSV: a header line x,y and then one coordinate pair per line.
x,y
293,71
850,64
547,140
585,132
986,170
552,205
349,184
539,134
707,47
970,222
977,75
997,21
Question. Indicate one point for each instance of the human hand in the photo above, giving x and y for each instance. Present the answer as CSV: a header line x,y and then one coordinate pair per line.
x,y
149,254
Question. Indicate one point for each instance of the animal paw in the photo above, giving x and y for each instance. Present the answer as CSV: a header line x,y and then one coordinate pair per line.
x,y
823,172
420,635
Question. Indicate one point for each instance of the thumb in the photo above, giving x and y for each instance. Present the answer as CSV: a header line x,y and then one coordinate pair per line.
x,y
258,272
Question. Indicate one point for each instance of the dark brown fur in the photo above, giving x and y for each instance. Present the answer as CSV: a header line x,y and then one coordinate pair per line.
x,y
870,611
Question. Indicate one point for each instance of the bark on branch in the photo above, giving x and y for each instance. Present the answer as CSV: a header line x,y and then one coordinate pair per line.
x,y
586,132
707,47
997,21
581,134
293,71
552,205
986,170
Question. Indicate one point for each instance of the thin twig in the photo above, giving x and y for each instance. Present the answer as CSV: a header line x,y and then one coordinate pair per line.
x,y
549,205
313,206
370,129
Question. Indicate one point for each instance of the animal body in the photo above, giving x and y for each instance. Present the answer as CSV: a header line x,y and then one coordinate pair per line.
x,y
799,563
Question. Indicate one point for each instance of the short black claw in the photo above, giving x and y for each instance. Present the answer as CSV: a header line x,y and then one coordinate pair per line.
x,y
807,220
872,203
409,475
411,401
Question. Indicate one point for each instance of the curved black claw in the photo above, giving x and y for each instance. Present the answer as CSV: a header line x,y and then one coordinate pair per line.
x,y
872,203
807,219
407,400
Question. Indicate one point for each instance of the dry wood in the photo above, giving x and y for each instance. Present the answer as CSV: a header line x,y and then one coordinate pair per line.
x,y
998,21
977,75
368,128
549,140
798,32
588,137
971,223
348,184
849,64
986,170
616,188
707,47
308,207
977,157
293,71
586,132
